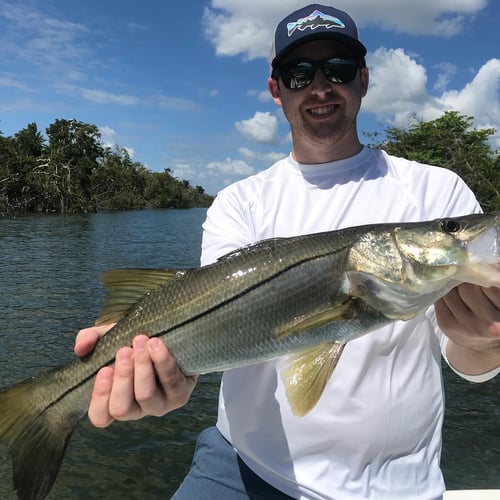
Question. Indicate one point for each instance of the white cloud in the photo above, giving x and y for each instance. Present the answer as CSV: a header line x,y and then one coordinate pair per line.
x,y
231,167
261,95
108,140
50,41
239,26
398,91
108,136
479,98
445,72
104,97
182,170
262,127
257,155
397,86
7,80
177,103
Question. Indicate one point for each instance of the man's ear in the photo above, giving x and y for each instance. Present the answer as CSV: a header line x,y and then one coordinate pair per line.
x,y
365,79
274,89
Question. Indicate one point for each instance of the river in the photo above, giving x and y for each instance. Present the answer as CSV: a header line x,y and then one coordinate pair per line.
x,y
49,274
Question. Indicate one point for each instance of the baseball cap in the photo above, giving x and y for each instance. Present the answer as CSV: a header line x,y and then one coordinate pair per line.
x,y
311,23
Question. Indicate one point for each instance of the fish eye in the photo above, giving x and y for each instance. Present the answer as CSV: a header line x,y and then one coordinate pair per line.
x,y
450,225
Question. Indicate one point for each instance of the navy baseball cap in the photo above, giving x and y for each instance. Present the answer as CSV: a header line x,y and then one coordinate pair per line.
x,y
312,23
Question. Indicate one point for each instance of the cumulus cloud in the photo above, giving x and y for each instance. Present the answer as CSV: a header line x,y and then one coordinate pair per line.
x,y
479,98
108,140
398,91
108,136
183,170
239,27
262,127
231,167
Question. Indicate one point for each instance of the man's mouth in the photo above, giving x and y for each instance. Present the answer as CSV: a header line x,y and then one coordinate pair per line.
x,y
323,110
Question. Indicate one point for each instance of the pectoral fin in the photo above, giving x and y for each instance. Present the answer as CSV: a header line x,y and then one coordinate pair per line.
x,y
126,286
306,374
341,311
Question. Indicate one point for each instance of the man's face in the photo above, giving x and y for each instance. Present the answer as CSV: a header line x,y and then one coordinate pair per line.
x,y
322,112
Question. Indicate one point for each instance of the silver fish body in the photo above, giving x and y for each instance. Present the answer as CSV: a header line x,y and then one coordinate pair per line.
x,y
305,296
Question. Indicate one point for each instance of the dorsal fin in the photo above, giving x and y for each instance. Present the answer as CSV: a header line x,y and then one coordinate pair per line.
x,y
126,286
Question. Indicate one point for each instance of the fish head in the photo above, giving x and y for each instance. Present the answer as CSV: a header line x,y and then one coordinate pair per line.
x,y
399,269
457,248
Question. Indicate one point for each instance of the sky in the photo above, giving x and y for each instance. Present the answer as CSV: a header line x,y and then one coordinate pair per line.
x,y
183,85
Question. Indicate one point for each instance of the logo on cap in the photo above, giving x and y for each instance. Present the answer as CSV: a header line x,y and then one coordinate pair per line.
x,y
313,21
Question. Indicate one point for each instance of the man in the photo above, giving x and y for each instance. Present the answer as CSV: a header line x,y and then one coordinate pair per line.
x,y
376,431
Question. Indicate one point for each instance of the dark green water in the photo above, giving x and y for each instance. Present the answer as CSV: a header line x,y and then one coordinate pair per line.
x,y
49,275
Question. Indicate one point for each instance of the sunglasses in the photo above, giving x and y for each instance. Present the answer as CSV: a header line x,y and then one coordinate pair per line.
x,y
298,75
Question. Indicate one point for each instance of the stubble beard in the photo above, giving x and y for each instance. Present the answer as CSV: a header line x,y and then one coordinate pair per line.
x,y
322,134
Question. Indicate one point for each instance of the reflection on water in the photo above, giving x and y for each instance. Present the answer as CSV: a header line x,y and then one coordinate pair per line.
x,y
49,270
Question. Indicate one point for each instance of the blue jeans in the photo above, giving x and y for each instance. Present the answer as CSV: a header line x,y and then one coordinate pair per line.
x,y
218,473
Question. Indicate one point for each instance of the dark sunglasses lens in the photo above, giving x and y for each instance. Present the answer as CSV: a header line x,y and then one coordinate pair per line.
x,y
340,70
298,76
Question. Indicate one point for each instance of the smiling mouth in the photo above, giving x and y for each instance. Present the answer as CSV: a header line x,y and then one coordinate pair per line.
x,y
323,110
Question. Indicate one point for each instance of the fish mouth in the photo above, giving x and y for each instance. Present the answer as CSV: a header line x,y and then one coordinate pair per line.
x,y
486,245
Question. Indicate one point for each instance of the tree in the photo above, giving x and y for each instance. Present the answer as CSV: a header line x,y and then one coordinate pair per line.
x,y
73,172
118,183
70,159
9,178
29,141
451,142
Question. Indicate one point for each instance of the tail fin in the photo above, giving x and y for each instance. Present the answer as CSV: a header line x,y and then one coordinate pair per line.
x,y
36,433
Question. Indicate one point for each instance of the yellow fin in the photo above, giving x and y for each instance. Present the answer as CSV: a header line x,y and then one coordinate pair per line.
x,y
315,320
126,286
306,373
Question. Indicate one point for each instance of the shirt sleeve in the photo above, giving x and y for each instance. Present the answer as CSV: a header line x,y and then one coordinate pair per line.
x,y
443,340
228,226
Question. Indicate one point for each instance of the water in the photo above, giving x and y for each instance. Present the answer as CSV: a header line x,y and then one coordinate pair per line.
x,y
49,270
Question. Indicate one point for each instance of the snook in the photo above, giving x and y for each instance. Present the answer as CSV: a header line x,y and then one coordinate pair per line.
x,y
304,296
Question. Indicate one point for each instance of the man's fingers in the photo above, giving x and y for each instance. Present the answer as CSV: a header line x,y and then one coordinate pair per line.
x,y
175,385
87,338
99,404
148,395
145,380
122,403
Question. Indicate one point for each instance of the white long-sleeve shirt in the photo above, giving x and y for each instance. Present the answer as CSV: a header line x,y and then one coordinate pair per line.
x,y
376,431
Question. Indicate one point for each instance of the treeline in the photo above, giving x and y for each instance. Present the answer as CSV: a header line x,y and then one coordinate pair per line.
x,y
451,142
72,172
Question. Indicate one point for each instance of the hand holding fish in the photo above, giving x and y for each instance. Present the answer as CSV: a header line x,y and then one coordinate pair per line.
x,y
469,315
145,380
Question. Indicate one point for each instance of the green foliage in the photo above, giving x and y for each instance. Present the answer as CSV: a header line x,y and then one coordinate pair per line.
x,y
72,172
451,142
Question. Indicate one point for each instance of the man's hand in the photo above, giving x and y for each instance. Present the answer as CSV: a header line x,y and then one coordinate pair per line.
x,y
145,380
469,315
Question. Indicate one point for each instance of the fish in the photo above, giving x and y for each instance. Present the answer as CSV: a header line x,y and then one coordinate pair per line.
x,y
304,297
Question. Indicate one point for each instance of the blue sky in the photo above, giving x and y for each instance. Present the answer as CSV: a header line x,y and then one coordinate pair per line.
x,y
182,85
